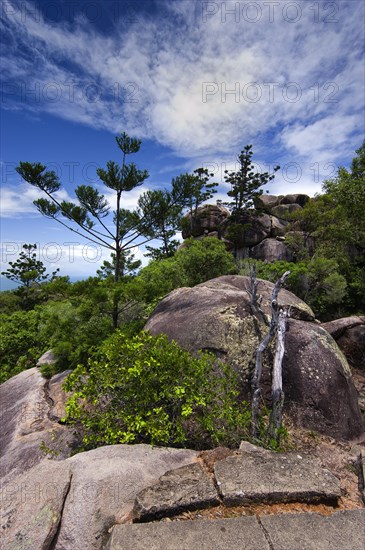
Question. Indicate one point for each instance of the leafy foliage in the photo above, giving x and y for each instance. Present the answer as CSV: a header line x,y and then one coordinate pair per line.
x,y
335,221
148,390
316,281
73,332
198,261
204,259
21,345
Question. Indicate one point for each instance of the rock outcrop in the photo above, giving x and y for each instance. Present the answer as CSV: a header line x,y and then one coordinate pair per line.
x,y
209,219
311,531
48,358
260,227
318,383
217,316
29,417
349,333
32,506
271,250
91,499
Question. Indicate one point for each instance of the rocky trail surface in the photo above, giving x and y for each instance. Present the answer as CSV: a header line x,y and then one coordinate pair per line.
x,y
137,496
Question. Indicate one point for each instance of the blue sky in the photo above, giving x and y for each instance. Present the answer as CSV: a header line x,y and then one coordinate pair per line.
x,y
195,80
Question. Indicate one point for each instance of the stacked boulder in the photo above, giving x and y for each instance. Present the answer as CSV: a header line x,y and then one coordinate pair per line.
x,y
264,228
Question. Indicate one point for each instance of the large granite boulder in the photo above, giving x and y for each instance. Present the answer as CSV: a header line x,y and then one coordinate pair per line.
x,y
255,228
297,198
217,316
31,409
105,483
349,333
266,202
278,227
285,210
208,219
48,358
317,381
271,250
32,506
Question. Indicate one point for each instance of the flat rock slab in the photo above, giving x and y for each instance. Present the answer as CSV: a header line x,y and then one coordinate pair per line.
x,y
185,488
31,506
288,477
105,483
234,534
341,531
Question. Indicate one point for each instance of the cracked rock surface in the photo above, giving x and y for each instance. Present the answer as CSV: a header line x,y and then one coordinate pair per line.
x,y
26,421
273,477
32,506
186,488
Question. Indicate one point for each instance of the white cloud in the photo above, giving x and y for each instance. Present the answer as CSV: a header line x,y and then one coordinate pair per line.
x,y
150,77
17,200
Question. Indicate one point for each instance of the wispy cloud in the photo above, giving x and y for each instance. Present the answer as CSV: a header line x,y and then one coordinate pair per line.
x,y
17,201
203,79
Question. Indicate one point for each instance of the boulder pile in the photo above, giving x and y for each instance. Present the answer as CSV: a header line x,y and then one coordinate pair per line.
x,y
263,229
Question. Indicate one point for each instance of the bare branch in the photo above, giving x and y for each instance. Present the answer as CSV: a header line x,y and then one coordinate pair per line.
x,y
256,390
277,378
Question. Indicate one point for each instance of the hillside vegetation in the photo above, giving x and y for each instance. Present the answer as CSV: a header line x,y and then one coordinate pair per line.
x,y
92,325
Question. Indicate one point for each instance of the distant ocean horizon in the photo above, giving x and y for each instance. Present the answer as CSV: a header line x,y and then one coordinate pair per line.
x,y
6,284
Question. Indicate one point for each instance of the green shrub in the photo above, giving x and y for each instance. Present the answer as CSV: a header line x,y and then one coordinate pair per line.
x,y
159,278
148,390
20,343
74,332
316,281
204,259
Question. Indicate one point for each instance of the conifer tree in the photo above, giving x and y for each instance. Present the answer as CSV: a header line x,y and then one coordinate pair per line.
x,y
245,183
28,271
88,218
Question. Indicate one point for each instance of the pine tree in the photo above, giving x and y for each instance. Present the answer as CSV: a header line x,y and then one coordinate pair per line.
x,y
88,218
28,271
246,183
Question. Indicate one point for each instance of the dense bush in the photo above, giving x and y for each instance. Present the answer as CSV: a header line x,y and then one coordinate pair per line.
x,y
316,281
147,390
204,259
73,332
20,343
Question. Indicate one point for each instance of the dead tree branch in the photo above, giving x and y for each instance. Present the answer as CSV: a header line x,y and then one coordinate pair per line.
x,y
256,389
276,415
255,298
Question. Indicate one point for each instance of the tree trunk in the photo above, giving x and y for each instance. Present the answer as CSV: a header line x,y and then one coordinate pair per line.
x,y
277,379
256,390
115,312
